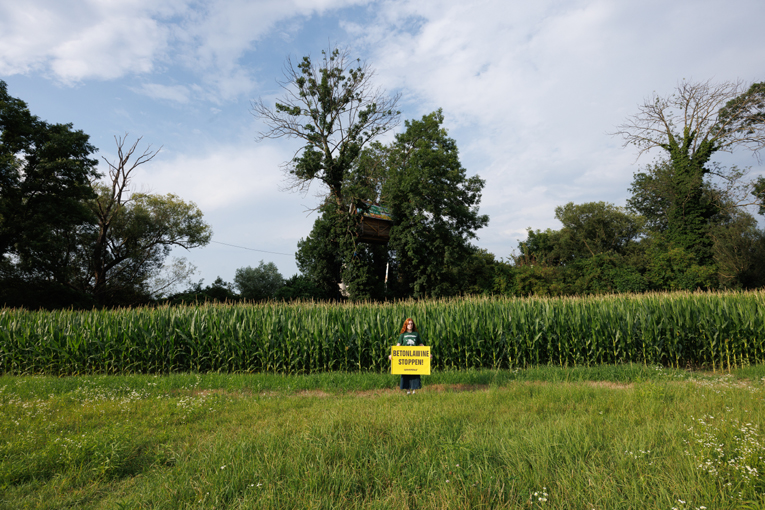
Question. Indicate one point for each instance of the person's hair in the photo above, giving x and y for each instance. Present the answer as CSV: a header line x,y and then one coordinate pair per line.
x,y
414,326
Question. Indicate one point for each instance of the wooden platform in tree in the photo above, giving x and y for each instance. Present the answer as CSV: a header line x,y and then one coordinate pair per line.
x,y
376,223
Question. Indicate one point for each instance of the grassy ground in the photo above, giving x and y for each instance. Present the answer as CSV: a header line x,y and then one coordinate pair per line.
x,y
581,438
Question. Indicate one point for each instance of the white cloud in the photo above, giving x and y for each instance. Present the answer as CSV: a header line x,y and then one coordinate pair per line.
x,y
218,178
530,90
238,189
176,93
76,40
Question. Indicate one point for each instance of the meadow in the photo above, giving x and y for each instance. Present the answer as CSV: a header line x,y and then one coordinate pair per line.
x,y
628,436
611,402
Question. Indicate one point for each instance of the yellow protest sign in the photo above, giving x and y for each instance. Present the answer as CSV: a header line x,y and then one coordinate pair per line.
x,y
410,360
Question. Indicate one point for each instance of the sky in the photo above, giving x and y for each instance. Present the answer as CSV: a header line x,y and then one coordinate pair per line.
x,y
530,92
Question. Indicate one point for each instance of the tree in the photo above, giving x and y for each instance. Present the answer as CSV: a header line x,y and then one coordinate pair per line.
x,y
321,255
132,234
299,287
434,206
758,190
333,108
258,283
165,282
141,237
67,238
218,291
595,227
690,125
588,229
739,251
45,173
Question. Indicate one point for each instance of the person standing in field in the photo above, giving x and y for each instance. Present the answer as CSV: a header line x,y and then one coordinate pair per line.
x,y
409,337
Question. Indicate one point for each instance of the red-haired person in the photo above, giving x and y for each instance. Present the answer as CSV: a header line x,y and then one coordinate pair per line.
x,y
409,337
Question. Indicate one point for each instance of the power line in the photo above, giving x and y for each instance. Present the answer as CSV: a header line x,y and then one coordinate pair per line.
x,y
253,249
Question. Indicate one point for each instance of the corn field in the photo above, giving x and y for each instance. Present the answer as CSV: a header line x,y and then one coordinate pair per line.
x,y
712,330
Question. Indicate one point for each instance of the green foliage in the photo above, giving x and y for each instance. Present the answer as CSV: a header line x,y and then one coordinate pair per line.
x,y
331,106
675,329
299,287
478,273
595,228
689,213
67,240
434,206
651,195
258,283
739,252
624,436
45,173
691,125
139,239
743,117
677,269
589,229
325,93
218,291
759,193
321,255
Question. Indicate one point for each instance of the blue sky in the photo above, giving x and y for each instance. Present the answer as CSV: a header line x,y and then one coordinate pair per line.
x,y
530,91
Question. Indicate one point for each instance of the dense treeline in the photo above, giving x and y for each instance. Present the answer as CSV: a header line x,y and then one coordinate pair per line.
x,y
680,329
73,237
687,223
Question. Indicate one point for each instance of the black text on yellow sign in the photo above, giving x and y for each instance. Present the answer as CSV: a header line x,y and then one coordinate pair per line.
x,y
410,360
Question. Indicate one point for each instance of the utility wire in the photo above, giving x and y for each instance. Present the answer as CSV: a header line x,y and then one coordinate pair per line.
x,y
253,249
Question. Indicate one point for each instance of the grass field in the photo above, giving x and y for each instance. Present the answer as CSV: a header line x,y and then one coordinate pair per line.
x,y
604,437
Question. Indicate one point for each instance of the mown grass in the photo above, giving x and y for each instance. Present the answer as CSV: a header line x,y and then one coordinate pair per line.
x,y
602,437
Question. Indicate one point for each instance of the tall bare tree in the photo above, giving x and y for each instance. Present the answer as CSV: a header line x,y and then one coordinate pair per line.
x,y
700,118
690,125
333,107
134,232
111,200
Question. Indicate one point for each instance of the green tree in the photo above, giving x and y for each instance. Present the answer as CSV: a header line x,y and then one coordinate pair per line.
x,y
141,236
739,251
332,107
321,255
45,174
759,193
133,233
435,209
258,283
593,228
588,229
299,287
692,124
65,236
